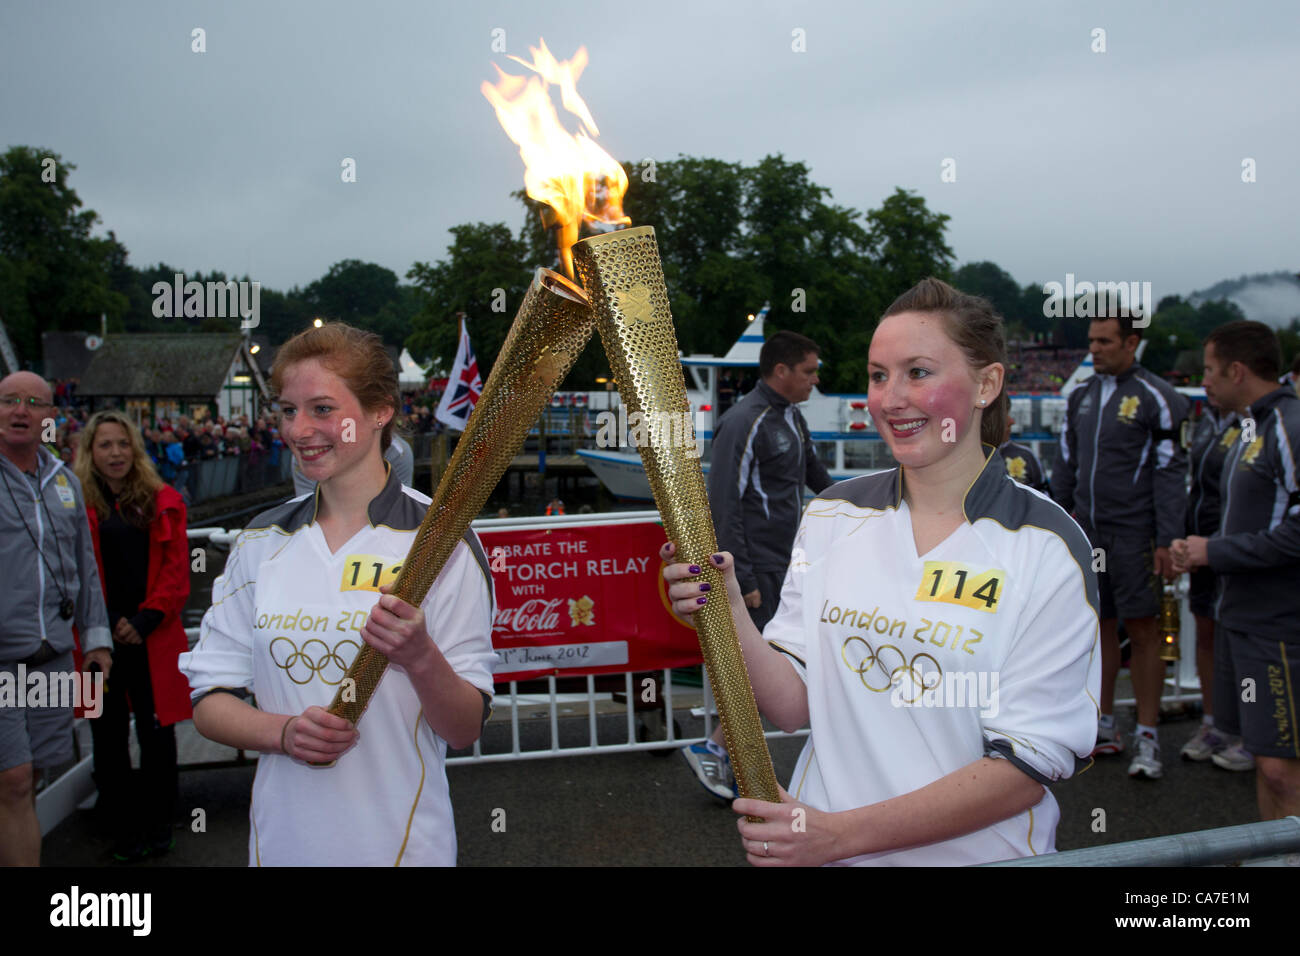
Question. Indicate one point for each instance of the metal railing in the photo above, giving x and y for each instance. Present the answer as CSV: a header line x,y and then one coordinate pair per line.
x,y
210,478
1250,841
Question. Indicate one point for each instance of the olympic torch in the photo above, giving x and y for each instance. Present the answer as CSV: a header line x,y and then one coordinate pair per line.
x,y
551,329
582,187
622,274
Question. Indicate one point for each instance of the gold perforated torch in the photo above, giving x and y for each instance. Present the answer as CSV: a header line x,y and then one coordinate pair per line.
x,y
622,275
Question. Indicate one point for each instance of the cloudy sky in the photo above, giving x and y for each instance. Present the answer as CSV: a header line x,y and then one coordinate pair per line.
x,y
1117,165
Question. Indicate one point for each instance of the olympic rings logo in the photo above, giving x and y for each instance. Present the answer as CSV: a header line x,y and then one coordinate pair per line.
x,y
889,666
301,666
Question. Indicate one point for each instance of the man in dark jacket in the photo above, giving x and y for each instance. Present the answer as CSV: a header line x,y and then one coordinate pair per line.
x,y
763,455
1121,472
1256,554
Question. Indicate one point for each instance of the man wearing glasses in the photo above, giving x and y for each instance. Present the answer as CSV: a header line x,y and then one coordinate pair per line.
x,y
51,584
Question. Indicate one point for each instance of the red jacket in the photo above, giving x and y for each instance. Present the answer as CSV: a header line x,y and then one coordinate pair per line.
x,y
167,591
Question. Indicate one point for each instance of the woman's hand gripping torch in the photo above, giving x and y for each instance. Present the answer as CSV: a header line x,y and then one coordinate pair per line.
x,y
550,330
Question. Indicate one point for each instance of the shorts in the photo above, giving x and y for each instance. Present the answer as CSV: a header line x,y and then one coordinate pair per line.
x,y
1202,589
1129,587
41,736
1265,712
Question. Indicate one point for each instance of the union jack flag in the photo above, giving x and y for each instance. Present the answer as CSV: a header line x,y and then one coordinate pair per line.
x,y
463,386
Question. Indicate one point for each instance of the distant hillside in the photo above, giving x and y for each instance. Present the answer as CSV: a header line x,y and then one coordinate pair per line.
x,y
1272,297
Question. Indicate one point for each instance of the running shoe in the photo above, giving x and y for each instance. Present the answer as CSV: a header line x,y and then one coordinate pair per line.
x,y
1146,758
1234,757
713,772
1203,745
1108,741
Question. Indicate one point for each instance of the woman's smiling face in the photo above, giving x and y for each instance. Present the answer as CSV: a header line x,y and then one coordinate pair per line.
x,y
923,395
324,423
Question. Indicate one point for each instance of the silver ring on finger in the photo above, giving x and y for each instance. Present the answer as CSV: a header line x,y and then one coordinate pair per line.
x,y
766,851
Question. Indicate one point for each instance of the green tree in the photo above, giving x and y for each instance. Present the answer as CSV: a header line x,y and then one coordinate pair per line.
x,y
907,241
362,294
991,281
483,258
53,273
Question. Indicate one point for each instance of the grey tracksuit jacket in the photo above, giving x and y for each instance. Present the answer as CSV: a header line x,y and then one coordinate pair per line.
x,y
763,455
52,557
1256,551
1121,469
1212,438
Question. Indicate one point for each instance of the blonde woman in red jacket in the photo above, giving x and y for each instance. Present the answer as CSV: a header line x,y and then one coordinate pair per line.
x,y
137,523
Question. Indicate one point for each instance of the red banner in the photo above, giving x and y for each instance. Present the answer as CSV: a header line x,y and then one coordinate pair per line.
x,y
583,599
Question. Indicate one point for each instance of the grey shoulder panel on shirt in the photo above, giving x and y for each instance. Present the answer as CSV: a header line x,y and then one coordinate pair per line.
x,y
396,509
1000,498
879,491
288,517
480,556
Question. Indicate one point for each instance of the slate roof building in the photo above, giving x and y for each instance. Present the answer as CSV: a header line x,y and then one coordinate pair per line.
x,y
68,354
198,375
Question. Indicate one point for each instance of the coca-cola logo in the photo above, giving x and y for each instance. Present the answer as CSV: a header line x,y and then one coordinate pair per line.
x,y
532,616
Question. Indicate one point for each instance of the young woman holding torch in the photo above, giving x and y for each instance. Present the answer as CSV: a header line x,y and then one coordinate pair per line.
x,y
305,585
937,628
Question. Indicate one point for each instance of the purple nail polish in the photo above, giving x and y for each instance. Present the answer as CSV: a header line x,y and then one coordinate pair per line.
x,y
695,569
706,586
702,600
717,559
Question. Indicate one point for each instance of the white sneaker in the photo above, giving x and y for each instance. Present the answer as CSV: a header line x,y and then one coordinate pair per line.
x,y
713,772
1234,757
1204,744
1146,758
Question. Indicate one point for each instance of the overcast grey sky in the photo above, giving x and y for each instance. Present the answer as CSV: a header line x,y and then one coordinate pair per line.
x,y
1117,165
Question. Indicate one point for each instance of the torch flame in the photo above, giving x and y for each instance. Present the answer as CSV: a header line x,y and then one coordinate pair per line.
x,y
574,177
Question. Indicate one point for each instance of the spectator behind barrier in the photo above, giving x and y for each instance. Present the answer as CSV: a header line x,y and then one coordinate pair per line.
x,y
137,524
51,586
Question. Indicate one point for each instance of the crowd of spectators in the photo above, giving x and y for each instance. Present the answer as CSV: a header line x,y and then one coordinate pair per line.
x,y
1040,370
177,446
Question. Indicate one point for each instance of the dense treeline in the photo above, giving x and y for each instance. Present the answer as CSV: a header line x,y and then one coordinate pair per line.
x,y
731,237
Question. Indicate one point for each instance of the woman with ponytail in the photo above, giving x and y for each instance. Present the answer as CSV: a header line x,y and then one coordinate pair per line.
x,y
937,628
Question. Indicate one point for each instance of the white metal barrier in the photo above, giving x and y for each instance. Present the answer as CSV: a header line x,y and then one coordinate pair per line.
x,y
1182,687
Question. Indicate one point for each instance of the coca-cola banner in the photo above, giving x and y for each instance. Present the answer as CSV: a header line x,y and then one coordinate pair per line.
x,y
577,599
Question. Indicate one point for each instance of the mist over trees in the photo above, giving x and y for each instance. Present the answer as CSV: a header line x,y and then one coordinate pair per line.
x,y
731,237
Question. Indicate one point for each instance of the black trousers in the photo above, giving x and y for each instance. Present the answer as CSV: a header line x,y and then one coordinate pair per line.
x,y
133,803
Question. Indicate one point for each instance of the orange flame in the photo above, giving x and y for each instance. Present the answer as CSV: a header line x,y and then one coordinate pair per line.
x,y
579,181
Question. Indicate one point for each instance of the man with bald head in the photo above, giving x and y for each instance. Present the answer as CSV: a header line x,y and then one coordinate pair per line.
x,y
51,584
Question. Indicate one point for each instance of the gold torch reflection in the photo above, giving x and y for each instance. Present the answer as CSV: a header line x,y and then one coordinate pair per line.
x,y
622,274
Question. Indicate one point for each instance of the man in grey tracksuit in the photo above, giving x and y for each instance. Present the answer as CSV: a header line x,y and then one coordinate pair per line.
x,y
51,584
1256,555
1121,472
762,456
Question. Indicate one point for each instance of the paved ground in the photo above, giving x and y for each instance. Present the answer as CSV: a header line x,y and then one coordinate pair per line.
x,y
643,809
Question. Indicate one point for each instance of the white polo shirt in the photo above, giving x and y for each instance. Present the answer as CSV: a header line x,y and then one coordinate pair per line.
x,y
284,624
917,665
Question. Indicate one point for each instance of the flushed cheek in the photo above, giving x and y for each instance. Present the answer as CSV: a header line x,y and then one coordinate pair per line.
x,y
948,402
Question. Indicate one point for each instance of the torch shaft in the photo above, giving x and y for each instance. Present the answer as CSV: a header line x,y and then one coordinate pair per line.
x,y
622,274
